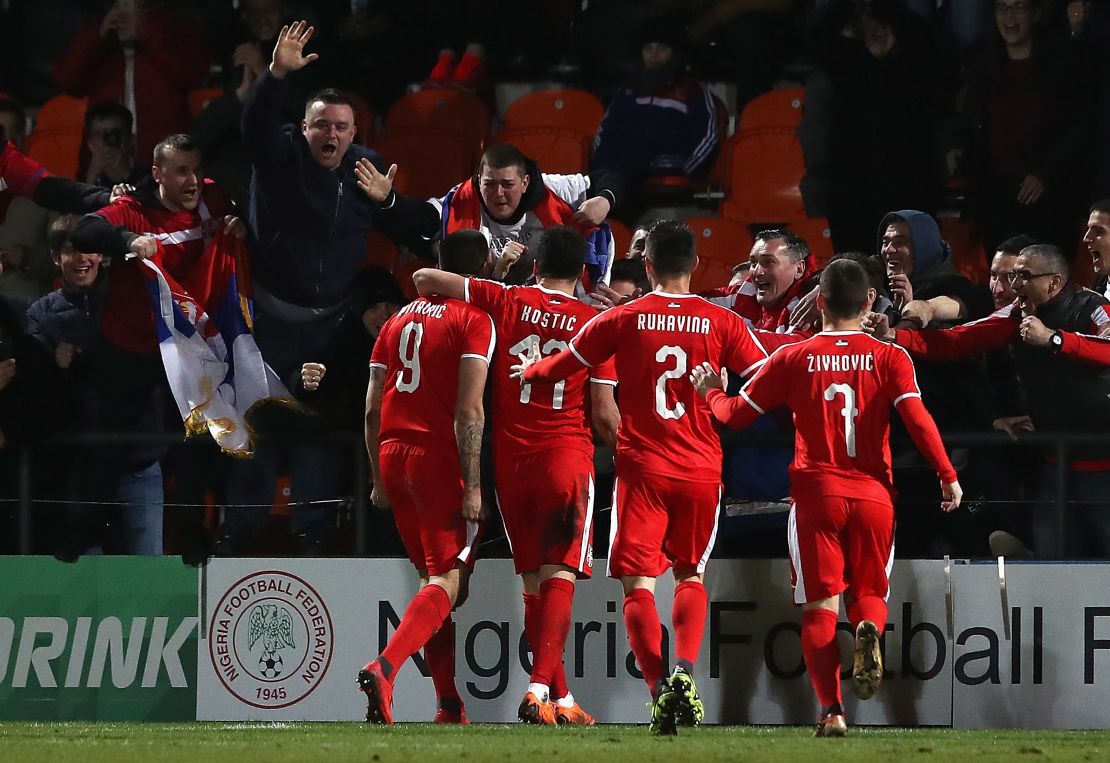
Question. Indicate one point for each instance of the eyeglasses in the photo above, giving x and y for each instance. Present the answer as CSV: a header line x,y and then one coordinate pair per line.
x,y
1008,278
1022,276
1011,9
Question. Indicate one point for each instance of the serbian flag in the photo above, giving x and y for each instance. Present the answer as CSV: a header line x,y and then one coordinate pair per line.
x,y
213,366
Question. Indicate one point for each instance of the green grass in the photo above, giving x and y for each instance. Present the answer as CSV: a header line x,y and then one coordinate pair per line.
x,y
337,742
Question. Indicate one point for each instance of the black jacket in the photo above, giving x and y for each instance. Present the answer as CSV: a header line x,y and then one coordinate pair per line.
x,y
309,223
66,315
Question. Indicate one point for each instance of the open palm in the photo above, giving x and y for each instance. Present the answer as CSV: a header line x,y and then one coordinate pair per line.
x,y
289,50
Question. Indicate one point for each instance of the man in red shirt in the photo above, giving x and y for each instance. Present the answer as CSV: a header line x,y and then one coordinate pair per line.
x,y
543,452
427,376
840,385
22,176
668,463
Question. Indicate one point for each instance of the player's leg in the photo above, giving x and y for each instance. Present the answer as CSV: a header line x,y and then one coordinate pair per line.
x,y
439,654
822,657
817,569
869,542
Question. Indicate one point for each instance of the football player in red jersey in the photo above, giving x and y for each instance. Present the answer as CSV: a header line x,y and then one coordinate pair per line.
x,y
543,452
668,464
840,384
427,376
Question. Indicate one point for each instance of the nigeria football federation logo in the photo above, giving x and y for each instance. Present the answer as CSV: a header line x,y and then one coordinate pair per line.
x,y
271,639
272,626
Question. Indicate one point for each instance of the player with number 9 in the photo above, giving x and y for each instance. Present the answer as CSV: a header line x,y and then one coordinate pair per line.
x,y
543,452
840,384
668,466
427,376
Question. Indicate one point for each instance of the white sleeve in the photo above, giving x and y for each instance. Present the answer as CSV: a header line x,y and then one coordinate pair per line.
x,y
570,188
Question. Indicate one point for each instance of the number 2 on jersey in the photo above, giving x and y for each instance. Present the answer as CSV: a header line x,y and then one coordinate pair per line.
x,y
409,352
679,370
849,412
552,346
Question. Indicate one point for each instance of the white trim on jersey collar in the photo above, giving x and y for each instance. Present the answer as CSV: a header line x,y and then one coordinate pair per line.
x,y
673,296
554,292
841,333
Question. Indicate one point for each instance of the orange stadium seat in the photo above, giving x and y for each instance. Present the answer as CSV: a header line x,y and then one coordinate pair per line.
x,y
556,151
56,140
721,244
763,167
815,230
778,108
565,108
622,237
442,109
430,162
200,97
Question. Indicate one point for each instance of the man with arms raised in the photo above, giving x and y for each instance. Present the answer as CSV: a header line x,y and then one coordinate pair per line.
x,y
543,452
427,376
668,465
840,385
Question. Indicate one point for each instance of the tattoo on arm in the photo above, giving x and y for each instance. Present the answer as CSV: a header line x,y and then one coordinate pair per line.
x,y
372,424
468,437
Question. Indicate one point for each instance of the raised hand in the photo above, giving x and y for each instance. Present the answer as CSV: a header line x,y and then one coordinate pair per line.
x,y
805,315
704,378
235,226
1034,332
289,50
510,256
373,183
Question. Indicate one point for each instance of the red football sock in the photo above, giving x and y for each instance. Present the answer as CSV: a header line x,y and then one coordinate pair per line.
x,y
556,599
822,654
690,605
871,608
439,653
423,617
645,634
533,632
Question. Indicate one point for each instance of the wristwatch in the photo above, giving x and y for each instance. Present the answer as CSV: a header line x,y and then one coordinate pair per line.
x,y
1056,341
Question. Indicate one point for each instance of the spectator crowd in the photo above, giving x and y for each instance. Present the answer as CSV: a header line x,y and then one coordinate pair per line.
x,y
918,120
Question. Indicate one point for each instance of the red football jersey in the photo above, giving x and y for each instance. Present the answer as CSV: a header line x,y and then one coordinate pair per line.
x,y
841,386
19,176
666,429
128,320
541,415
420,348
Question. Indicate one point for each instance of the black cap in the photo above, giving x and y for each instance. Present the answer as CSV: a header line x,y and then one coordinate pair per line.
x,y
374,285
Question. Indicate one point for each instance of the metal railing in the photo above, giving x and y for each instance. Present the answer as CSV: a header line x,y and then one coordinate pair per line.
x,y
1059,444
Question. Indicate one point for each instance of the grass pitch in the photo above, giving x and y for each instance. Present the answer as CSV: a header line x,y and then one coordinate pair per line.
x,y
337,742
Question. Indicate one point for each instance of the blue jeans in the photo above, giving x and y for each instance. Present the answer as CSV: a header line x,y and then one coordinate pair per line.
x,y
141,507
1088,518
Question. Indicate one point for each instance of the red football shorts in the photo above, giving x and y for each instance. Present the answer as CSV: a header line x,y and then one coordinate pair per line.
x,y
425,488
840,544
660,522
547,504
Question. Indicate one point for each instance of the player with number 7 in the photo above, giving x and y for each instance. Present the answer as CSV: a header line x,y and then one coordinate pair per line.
x,y
840,385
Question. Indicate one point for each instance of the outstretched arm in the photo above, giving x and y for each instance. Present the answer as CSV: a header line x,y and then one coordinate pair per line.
x,y
926,437
265,143
433,281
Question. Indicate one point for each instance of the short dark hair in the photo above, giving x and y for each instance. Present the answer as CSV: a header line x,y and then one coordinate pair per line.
x,y
109,110
1102,206
12,106
329,96
844,286
1050,255
177,142
463,252
61,231
1014,244
871,264
794,243
670,248
501,155
632,271
561,252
